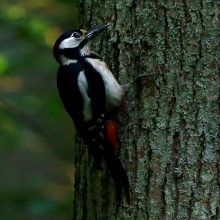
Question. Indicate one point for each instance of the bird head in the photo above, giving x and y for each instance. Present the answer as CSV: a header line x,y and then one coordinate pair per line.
x,y
74,43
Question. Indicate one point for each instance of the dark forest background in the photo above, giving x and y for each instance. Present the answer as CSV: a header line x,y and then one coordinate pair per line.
x,y
36,135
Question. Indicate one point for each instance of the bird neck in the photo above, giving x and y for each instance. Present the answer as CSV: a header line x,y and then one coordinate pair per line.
x,y
71,55
64,61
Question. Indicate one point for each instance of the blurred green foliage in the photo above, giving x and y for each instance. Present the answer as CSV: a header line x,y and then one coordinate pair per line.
x,y
36,135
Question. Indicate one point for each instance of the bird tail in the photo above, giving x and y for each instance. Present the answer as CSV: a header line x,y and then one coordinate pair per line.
x,y
106,146
117,172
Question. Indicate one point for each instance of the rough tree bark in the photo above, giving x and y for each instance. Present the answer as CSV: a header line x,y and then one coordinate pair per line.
x,y
170,132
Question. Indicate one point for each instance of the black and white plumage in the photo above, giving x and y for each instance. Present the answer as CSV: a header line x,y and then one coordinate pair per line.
x,y
91,96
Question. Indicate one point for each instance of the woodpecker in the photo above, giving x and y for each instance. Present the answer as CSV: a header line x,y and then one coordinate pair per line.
x,y
92,97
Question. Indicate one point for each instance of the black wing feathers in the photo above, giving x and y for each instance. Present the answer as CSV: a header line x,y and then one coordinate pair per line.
x,y
69,92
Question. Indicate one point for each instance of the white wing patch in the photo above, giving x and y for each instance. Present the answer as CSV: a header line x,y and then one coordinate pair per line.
x,y
83,87
113,89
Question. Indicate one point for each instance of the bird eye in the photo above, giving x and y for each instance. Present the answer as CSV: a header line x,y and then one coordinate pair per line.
x,y
76,35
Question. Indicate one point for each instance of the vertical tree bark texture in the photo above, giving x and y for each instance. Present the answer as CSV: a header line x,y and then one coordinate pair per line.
x,y
170,132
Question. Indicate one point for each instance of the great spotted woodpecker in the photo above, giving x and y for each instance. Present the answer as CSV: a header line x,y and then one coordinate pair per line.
x,y
92,97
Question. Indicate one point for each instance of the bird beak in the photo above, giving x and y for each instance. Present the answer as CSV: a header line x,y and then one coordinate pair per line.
x,y
92,32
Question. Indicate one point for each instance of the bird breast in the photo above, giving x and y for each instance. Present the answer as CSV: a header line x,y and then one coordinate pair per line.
x,y
112,88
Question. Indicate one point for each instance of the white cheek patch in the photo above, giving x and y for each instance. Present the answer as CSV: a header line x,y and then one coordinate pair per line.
x,y
69,43
83,87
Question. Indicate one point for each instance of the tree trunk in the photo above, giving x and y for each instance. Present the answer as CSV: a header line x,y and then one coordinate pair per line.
x,y
170,132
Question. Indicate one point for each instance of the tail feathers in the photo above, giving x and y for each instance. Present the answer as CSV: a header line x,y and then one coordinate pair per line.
x,y
117,172
107,150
